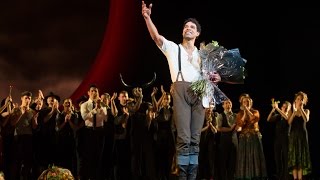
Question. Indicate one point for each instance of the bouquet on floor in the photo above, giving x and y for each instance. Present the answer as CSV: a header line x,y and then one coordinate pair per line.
x,y
216,59
56,173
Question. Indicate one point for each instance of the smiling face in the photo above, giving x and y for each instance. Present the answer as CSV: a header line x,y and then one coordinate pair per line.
x,y
190,31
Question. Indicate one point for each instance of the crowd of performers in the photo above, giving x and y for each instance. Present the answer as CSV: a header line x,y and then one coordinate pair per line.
x,y
119,137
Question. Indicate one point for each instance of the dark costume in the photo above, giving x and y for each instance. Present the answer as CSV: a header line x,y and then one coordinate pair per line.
x,y
22,156
108,146
66,152
45,138
207,154
142,145
299,154
281,146
121,148
228,147
250,158
165,143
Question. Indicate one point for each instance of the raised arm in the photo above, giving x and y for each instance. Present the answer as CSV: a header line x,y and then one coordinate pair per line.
x,y
114,110
305,113
283,114
271,115
138,96
154,100
7,101
164,93
146,13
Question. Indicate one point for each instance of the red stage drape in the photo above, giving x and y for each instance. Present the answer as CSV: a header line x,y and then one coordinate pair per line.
x,y
116,47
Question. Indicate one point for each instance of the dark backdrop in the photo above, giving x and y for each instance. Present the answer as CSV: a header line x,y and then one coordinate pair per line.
x,y
63,46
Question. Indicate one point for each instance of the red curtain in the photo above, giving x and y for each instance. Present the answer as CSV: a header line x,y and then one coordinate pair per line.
x,y
116,47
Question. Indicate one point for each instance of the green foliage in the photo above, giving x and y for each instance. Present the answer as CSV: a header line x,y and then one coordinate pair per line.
x,y
56,173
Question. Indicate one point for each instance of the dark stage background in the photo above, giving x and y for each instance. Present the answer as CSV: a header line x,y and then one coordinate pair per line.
x,y
63,46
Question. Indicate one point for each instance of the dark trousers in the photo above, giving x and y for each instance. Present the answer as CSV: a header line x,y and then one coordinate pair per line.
x,y
66,153
22,157
91,157
188,172
122,168
189,117
7,154
108,156
228,155
281,156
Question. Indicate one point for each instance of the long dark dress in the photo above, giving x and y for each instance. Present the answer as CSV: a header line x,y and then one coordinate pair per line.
x,y
281,146
228,146
250,159
165,143
208,151
207,155
299,154
66,152
142,146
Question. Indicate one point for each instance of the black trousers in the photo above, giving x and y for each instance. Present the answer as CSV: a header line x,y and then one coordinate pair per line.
x,y
22,157
91,156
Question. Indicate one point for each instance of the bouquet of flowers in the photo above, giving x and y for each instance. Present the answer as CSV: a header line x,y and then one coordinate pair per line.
x,y
56,173
216,59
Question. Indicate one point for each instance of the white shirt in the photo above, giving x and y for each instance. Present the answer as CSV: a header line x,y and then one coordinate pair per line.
x,y
87,112
191,71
